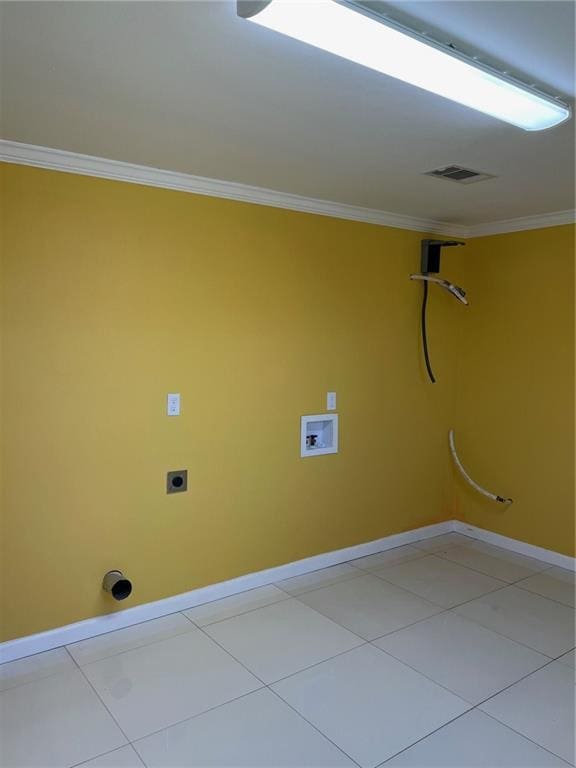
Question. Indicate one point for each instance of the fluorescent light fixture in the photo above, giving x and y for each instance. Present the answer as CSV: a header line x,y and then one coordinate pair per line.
x,y
377,43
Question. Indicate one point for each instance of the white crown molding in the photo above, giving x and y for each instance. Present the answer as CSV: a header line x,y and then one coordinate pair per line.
x,y
540,221
87,165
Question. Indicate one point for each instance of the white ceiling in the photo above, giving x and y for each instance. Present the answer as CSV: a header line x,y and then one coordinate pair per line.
x,y
188,86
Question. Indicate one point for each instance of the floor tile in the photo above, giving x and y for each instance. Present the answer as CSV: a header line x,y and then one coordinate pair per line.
x,y
540,707
491,549
322,578
475,741
125,757
369,704
282,639
466,658
499,563
568,659
260,732
440,581
441,542
369,606
156,686
556,583
36,667
529,619
38,719
202,615
96,648
389,557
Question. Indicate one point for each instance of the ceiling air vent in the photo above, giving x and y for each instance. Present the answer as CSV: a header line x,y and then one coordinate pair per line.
x,y
459,174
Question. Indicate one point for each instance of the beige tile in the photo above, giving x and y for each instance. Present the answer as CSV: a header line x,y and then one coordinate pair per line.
x,y
282,638
499,563
102,646
533,563
369,606
369,704
529,619
439,581
441,542
150,688
568,659
322,578
464,657
389,557
540,707
202,615
475,741
125,757
57,721
556,583
256,731
14,673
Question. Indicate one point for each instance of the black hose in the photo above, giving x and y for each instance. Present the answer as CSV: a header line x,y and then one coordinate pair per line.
x,y
424,335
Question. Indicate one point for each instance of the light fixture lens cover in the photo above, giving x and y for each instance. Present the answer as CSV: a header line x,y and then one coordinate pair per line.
x,y
346,32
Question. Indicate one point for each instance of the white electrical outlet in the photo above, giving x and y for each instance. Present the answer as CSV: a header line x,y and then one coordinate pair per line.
x,y
330,401
173,404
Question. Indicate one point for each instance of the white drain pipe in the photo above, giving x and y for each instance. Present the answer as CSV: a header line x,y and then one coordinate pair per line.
x,y
467,477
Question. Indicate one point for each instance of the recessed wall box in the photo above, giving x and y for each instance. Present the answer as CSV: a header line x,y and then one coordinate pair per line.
x,y
177,481
319,434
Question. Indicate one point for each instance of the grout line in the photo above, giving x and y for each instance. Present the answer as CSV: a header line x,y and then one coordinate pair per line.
x,y
135,647
41,677
523,735
460,695
399,629
442,610
222,648
448,610
429,600
193,717
109,752
281,599
423,738
506,637
488,698
423,674
468,712
317,663
287,703
359,572
557,658
100,699
552,599
477,623
264,686
297,672
483,573
412,624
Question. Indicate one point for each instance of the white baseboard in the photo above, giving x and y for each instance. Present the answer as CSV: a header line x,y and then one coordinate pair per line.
x,y
99,625
530,550
81,630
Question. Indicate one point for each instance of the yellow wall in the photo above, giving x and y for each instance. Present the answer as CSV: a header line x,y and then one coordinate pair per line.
x,y
116,294
515,405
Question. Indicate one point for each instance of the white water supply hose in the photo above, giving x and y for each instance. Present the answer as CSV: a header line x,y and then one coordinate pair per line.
x,y
467,477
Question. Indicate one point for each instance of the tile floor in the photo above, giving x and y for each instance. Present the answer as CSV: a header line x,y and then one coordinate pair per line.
x,y
448,653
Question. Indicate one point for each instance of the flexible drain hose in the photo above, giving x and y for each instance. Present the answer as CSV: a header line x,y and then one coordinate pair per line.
x,y
467,477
